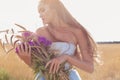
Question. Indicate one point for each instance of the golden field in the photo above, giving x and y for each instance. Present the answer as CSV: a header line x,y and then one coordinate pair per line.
x,y
109,70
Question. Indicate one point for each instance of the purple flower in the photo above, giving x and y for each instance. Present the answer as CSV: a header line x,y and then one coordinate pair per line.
x,y
26,34
41,39
44,41
16,50
48,43
31,43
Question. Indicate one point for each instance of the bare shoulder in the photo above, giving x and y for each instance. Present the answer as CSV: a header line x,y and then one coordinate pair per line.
x,y
79,35
77,31
41,31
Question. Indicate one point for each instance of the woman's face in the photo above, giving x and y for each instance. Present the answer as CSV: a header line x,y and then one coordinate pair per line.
x,y
46,14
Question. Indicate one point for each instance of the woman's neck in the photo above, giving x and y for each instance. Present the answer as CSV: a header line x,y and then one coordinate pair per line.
x,y
59,26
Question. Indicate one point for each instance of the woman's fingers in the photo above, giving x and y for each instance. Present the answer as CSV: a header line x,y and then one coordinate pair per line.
x,y
51,67
26,47
29,50
22,47
57,68
19,49
54,66
47,64
51,63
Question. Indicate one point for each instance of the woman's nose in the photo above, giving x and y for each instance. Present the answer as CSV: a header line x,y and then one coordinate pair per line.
x,y
40,16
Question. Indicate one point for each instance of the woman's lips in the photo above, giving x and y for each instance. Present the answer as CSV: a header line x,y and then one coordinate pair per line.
x,y
42,19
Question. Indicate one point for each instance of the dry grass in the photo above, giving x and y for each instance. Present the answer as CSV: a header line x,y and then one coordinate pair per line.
x,y
108,71
110,55
15,67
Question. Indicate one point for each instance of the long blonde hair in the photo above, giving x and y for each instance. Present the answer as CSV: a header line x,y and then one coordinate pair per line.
x,y
64,15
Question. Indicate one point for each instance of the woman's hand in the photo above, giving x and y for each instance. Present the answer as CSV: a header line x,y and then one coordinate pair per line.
x,y
24,52
55,63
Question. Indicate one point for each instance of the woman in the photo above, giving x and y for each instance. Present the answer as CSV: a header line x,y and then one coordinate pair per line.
x,y
63,30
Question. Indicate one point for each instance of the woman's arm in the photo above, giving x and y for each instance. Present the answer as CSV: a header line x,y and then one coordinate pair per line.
x,y
86,63
81,64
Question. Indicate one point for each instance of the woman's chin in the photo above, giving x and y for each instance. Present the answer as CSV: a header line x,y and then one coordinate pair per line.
x,y
45,22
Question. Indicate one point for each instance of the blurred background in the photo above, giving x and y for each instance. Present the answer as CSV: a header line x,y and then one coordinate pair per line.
x,y
100,17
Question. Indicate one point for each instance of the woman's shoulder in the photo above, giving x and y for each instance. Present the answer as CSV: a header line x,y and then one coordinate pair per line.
x,y
41,31
75,31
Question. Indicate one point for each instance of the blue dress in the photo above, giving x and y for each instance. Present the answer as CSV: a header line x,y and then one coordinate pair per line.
x,y
64,48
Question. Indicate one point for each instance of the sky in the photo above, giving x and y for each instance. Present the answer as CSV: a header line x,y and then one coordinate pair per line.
x,y
100,17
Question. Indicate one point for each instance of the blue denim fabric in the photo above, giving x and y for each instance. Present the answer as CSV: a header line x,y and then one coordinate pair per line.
x,y
74,75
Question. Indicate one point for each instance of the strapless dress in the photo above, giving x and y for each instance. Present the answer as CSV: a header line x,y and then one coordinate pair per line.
x,y
64,48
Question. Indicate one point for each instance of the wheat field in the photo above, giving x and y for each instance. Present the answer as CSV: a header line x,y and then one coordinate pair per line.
x,y
109,70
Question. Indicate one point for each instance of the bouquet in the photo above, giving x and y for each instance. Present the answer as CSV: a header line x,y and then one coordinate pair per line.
x,y
41,53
